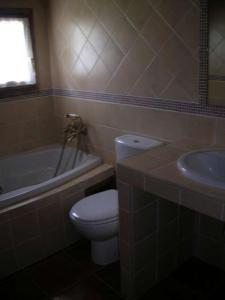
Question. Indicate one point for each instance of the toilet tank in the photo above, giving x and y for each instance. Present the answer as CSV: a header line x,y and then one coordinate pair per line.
x,y
129,145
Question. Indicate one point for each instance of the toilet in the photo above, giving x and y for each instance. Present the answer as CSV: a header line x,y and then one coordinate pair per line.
x,y
97,217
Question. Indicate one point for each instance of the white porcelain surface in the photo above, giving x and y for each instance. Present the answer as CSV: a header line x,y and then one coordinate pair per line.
x,y
27,175
100,208
97,232
129,145
205,166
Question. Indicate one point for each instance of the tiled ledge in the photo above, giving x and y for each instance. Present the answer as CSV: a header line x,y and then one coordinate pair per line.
x,y
155,171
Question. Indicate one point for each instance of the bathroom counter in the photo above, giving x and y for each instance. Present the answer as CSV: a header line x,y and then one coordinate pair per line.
x,y
156,172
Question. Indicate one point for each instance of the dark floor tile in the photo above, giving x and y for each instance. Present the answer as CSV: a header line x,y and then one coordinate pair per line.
x,y
111,276
199,276
56,273
81,253
170,289
89,289
218,293
20,287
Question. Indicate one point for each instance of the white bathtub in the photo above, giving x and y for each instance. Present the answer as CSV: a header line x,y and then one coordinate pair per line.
x,y
26,175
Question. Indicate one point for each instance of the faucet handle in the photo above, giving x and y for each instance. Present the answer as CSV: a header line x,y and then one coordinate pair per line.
x,y
72,116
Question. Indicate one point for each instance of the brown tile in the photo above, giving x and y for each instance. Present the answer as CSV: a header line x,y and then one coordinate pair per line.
x,y
167,212
157,38
145,222
6,241
141,199
210,251
143,162
126,226
81,253
29,252
89,288
194,201
165,152
56,274
144,279
126,256
71,234
168,237
20,286
162,189
145,253
169,174
110,275
50,217
138,13
187,224
130,176
53,241
167,263
125,195
25,228
212,228
8,263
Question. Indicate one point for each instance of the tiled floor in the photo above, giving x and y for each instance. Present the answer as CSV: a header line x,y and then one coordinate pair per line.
x,y
70,275
194,280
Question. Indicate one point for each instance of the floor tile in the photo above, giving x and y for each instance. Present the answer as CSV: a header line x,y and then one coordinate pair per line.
x,y
110,275
81,253
89,289
199,276
20,287
56,273
170,289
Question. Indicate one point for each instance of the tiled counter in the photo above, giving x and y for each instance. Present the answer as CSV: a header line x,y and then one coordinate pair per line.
x,y
160,215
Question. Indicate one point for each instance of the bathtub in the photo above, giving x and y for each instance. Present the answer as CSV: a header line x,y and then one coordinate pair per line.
x,y
29,174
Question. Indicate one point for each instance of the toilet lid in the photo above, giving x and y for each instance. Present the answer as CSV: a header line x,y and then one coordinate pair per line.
x,y
95,208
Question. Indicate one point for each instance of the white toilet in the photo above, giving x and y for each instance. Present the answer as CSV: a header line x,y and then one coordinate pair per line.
x,y
97,217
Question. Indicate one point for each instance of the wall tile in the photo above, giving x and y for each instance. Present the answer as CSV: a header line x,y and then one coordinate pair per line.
x,y
167,212
145,222
29,252
8,263
6,240
25,228
168,237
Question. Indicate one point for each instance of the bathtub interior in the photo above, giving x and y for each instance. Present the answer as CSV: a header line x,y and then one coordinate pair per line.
x,y
36,167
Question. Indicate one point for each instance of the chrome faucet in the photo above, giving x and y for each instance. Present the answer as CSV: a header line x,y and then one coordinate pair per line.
x,y
75,128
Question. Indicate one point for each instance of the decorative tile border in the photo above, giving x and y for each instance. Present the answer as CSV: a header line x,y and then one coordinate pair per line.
x,y
193,108
217,77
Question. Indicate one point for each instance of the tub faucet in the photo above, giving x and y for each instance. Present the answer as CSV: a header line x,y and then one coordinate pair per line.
x,y
75,127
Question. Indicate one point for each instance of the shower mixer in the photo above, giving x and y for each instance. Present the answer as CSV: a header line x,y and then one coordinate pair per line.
x,y
75,128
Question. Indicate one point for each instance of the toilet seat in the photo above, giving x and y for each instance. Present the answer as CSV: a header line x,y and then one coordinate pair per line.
x,y
97,209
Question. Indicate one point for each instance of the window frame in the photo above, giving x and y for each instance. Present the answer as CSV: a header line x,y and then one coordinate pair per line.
x,y
7,92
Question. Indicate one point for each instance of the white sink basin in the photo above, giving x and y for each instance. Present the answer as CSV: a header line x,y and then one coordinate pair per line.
x,y
205,166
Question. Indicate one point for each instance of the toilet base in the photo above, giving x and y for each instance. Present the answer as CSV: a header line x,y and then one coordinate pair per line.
x,y
105,252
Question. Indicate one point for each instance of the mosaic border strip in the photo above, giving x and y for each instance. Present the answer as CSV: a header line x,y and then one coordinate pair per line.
x,y
217,77
177,106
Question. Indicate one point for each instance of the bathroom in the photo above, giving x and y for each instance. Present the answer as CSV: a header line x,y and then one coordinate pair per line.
x,y
114,111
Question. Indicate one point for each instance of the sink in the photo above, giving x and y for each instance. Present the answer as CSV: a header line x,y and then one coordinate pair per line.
x,y
205,166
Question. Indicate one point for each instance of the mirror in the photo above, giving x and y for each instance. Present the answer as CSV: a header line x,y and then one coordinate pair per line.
x,y
216,91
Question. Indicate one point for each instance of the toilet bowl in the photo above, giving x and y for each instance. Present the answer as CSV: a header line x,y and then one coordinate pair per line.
x,y
97,218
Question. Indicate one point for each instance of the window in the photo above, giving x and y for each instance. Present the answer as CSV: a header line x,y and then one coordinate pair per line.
x,y
17,69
